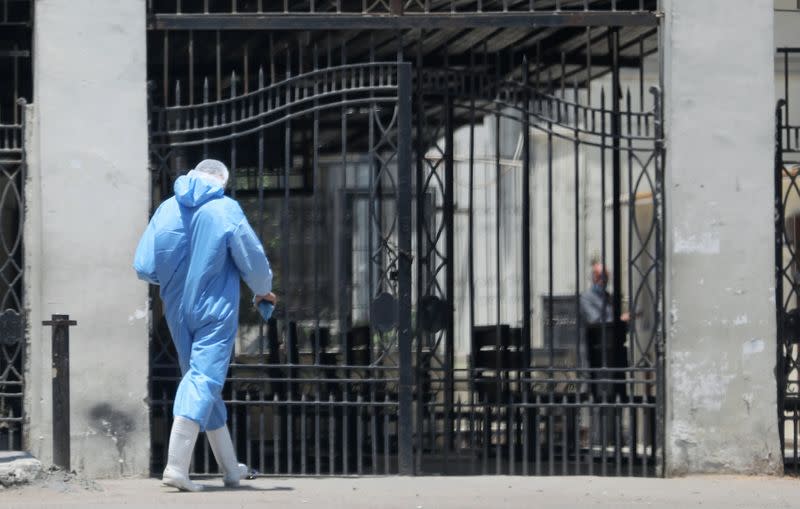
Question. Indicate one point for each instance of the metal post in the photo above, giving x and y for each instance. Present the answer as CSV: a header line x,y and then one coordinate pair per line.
x,y
60,365
779,235
405,424
659,208
616,128
526,220
449,206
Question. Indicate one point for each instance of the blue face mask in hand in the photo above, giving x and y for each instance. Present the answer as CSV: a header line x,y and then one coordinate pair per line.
x,y
266,308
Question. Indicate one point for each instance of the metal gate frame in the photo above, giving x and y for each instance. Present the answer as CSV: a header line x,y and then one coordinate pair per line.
x,y
394,17
372,86
787,285
12,317
16,17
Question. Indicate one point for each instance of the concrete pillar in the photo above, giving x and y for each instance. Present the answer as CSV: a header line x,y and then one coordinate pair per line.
x,y
721,345
88,203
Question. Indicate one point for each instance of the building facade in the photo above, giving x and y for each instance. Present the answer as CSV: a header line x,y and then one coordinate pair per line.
x,y
433,182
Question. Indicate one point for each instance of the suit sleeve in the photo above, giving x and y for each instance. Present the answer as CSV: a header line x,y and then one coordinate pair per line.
x,y
144,261
249,257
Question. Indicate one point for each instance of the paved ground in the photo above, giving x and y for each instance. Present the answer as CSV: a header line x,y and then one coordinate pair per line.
x,y
419,493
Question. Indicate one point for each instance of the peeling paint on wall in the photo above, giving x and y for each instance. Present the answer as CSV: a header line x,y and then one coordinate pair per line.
x,y
701,382
752,347
702,243
139,314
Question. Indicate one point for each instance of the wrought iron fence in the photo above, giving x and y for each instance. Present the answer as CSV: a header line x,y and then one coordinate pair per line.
x,y
787,255
12,326
534,152
15,86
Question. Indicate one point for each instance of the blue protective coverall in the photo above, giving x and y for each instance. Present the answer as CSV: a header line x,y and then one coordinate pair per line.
x,y
196,247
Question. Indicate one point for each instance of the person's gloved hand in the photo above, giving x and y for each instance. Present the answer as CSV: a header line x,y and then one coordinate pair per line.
x,y
270,297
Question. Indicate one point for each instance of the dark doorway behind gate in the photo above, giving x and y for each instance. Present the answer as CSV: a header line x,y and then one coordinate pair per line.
x,y
434,182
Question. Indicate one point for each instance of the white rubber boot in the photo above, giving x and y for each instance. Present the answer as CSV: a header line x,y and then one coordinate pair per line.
x,y
222,446
181,444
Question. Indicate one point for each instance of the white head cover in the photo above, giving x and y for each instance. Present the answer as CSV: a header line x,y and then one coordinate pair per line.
x,y
212,170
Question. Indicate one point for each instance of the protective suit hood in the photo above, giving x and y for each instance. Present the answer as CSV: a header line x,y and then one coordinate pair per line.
x,y
193,190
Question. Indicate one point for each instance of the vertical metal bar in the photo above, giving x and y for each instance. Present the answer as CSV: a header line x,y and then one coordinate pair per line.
x,y
262,410
449,206
60,382
499,374
15,110
331,435
303,435
345,433
537,442
421,228
526,427
659,208
315,213
247,431
603,431
260,185
472,430
458,433
359,435
191,67
551,439
631,435
564,428
617,436
233,141
289,427
341,253
276,442
386,431
550,269
287,166
616,130
603,227
246,84
780,229
165,70
219,66
373,430
317,431
486,432
631,265
786,84
577,205
575,424
526,222
796,430
591,425
205,116
471,233
406,433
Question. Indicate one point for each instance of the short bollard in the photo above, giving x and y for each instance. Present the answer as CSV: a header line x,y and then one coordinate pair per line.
x,y
60,364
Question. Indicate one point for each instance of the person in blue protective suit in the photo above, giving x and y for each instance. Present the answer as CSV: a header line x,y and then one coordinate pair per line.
x,y
196,247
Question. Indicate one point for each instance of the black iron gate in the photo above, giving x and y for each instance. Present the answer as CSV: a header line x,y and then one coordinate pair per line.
x,y
333,368
434,182
15,86
787,259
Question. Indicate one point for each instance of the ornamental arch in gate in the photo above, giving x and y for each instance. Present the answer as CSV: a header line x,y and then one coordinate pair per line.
x,y
531,147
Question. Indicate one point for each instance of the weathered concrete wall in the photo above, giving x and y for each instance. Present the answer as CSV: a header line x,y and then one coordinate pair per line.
x,y
721,406
89,202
